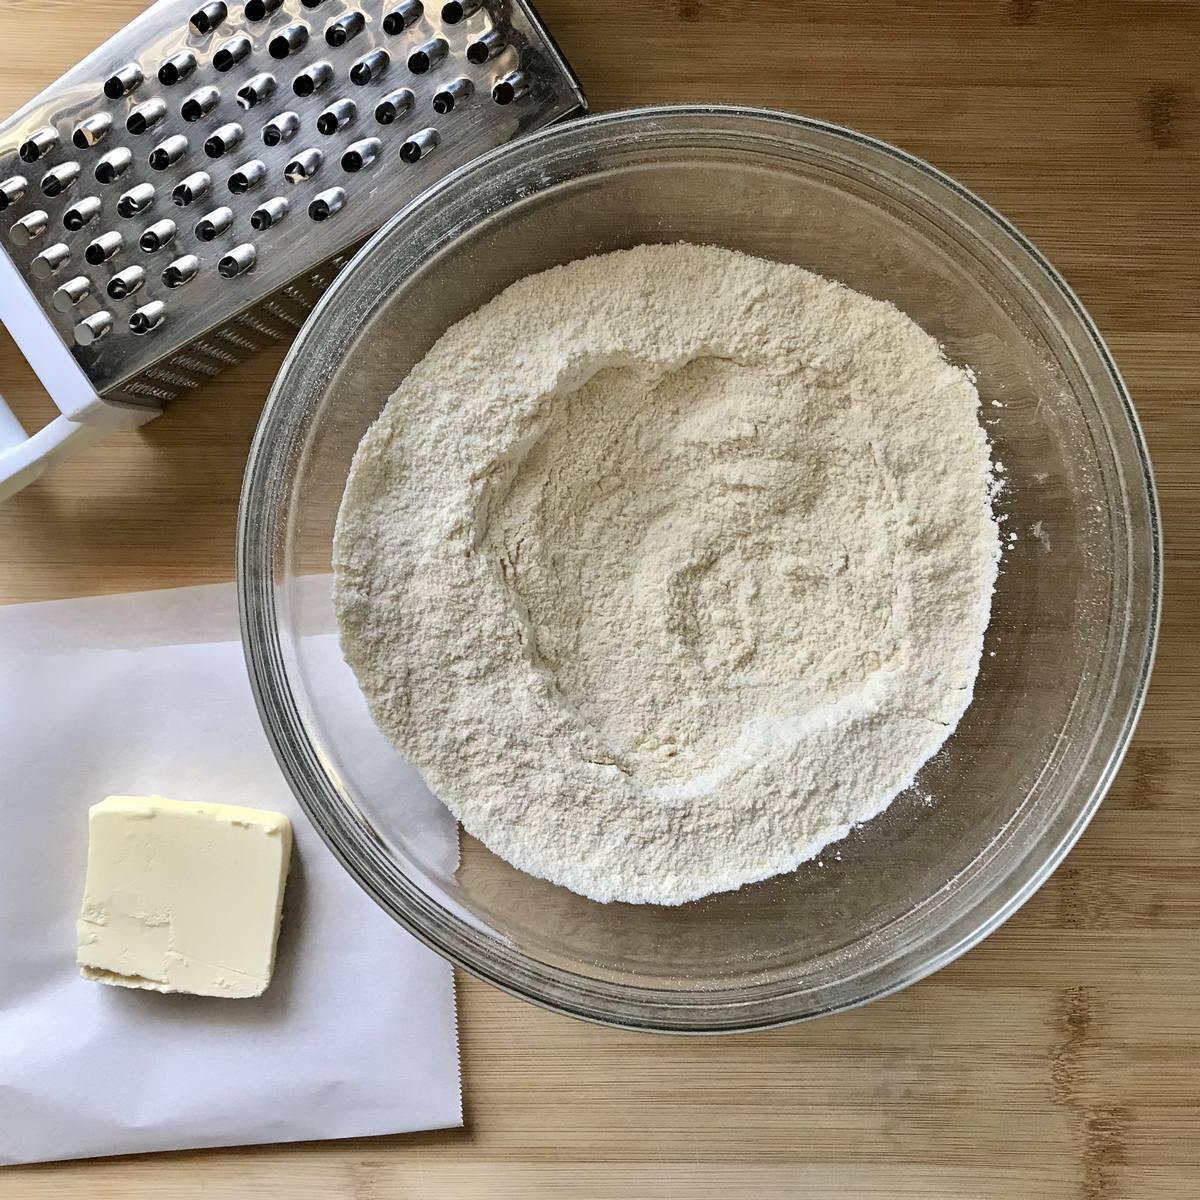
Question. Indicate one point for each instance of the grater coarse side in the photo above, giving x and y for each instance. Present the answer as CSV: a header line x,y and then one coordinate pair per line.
x,y
182,196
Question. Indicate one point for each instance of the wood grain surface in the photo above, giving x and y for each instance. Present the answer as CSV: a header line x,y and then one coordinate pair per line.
x,y
1059,1059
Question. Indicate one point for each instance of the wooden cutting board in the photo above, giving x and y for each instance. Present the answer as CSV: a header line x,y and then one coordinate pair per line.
x,y
1059,1059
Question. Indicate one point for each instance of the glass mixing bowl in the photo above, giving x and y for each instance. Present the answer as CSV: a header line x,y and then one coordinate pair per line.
x,y
1068,651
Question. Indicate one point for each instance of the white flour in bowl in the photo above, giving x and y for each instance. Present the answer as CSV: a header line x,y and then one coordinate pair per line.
x,y
668,567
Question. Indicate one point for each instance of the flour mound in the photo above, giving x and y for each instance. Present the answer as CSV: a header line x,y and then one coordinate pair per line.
x,y
668,567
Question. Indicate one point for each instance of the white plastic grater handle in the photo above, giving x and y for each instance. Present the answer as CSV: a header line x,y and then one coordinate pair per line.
x,y
85,418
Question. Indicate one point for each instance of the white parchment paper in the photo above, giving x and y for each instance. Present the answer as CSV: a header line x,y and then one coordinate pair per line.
x,y
356,1034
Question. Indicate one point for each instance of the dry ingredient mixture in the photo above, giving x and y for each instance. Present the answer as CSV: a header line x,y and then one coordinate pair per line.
x,y
668,567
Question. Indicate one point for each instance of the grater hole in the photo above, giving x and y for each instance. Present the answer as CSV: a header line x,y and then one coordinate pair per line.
x,y
269,213
259,10
399,19
38,144
92,329
238,261
50,261
101,249
419,145
231,53
123,81
226,138
337,116
339,32
304,166
177,67
313,79
327,203
258,89
445,100
457,10
486,48
511,87
29,227
199,104
427,55
210,227
158,235
391,107
136,200
179,272
281,128
288,41
126,282
11,190
206,19
81,213
192,188
361,155
370,66
147,318
312,3
145,116
57,180
91,130
73,292
113,165
247,176
168,153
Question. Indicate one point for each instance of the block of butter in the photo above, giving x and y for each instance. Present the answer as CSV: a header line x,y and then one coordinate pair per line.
x,y
182,897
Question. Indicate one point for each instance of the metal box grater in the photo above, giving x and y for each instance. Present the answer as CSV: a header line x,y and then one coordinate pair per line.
x,y
183,195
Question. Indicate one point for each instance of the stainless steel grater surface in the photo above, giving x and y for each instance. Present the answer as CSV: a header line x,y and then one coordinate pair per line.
x,y
183,195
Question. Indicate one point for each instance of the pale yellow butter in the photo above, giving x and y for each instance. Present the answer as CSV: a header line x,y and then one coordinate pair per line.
x,y
182,897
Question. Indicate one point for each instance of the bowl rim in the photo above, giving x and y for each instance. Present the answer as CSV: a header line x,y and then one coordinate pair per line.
x,y
257,528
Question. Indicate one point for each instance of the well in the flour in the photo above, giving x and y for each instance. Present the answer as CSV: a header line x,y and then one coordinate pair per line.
x,y
669,566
